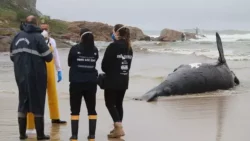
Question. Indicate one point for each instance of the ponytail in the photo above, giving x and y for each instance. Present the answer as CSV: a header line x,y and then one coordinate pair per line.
x,y
124,33
127,38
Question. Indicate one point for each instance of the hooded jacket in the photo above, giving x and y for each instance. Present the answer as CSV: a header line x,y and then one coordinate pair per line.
x,y
29,52
116,65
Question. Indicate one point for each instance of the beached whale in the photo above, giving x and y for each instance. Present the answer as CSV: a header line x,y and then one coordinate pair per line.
x,y
196,78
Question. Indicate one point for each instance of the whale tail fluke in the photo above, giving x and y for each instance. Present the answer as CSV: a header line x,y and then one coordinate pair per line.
x,y
221,58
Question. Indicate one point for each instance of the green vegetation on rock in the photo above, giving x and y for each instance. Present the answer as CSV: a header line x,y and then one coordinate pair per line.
x,y
56,26
11,15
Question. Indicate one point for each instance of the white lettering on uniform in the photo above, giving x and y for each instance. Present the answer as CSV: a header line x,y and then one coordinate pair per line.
x,y
80,59
125,56
195,65
22,39
124,67
84,59
85,66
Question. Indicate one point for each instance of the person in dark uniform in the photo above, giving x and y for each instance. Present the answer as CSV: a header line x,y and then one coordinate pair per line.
x,y
29,52
83,75
116,65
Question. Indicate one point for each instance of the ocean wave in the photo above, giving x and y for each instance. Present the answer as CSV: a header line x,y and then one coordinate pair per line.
x,y
212,54
243,40
154,36
224,38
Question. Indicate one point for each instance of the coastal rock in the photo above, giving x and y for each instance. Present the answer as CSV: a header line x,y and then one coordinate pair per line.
x,y
137,34
5,43
62,44
170,35
101,31
7,31
27,5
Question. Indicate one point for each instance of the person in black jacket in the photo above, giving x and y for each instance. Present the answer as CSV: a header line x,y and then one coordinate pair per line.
x,y
83,75
29,52
116,65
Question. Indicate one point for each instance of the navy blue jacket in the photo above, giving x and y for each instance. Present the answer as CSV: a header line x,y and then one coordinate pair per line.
x,y
29,52
82,62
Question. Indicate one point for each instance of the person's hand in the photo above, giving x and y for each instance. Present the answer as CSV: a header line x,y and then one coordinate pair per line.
x,y
59,76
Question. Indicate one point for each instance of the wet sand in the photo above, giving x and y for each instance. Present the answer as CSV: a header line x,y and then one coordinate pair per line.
x,y
215,116
189,118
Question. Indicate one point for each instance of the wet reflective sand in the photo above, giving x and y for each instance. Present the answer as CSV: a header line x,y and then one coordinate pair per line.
x,y
191,118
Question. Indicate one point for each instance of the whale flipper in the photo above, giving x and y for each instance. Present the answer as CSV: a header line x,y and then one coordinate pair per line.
x,y
160,90
221,58
149,96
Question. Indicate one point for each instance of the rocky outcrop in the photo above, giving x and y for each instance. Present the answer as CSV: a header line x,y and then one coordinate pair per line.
x,y
137,34
5,43
7,31
26,5
62,44
101,31
170,35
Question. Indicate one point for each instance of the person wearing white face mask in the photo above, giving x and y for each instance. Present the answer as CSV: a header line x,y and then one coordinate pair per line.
x,y
45,27
54,110
116,65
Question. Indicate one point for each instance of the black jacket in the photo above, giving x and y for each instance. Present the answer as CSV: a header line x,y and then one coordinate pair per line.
x,y
29,52
82,63
116,64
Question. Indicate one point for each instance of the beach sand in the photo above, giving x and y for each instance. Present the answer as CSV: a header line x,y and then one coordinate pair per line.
x,y
190,118
215,116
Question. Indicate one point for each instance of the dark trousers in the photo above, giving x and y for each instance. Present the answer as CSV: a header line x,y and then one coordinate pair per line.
x,y
114,103
86,90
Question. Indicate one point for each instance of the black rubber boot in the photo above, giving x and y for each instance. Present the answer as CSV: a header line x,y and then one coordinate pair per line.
x,y
92,127
22,122
74,129
58,121
39,123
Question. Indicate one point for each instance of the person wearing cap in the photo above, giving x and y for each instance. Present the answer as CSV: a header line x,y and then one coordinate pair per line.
x,y
54,103
116,65
83,75
29,54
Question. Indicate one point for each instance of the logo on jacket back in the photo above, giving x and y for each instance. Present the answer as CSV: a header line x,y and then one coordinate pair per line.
x,y
124,63
22,39
124,56
86,61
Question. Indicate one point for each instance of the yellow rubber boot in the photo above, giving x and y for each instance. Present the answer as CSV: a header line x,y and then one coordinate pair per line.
x,y
30,121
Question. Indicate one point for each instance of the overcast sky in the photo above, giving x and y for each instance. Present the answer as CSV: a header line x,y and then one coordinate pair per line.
x,y
154,14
